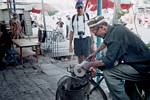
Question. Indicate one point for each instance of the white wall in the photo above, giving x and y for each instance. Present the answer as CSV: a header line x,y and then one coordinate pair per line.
x,y
6,16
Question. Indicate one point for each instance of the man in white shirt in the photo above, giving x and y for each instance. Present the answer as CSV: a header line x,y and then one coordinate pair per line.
x,y
80,33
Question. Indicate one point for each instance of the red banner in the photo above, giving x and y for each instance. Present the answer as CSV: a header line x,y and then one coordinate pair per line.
x,y
106,4
36,10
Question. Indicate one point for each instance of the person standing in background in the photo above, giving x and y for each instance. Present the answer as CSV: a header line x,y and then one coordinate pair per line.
x,y
60,27
16,27
5,44
80,33
67,26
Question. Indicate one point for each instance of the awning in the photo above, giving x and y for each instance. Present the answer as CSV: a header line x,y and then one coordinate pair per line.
x,y
34,10
92,4
37,8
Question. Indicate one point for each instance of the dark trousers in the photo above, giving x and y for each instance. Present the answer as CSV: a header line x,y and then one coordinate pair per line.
x,y
2,55
115,79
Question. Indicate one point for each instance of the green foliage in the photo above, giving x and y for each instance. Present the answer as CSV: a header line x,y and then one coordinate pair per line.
x,y
51,13
122,13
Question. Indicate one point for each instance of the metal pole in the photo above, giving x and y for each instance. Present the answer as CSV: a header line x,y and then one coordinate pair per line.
x,y
98,39
43,15
14,5
99,8
8,7
10,3
99,13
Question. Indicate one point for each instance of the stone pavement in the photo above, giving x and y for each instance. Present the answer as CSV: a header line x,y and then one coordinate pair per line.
x,y
32,81
24,83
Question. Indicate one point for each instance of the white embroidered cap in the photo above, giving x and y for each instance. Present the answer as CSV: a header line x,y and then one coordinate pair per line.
x,y
96,21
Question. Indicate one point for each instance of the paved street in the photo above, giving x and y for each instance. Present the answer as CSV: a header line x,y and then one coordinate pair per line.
x,y
28,82
33,81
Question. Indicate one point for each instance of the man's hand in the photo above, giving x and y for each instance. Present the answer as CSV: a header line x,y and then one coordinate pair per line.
x,y
70,41
93,55
93,71
96,64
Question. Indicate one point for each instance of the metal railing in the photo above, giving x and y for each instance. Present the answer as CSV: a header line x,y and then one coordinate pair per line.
x,y
51,43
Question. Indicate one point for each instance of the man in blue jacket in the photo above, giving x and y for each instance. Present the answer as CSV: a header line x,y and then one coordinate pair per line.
x,y
125,47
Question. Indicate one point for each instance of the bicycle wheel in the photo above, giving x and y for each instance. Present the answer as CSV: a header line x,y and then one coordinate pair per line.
x,y
96,92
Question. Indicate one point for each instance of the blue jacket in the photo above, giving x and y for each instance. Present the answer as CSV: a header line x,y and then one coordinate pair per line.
x,y
124,45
